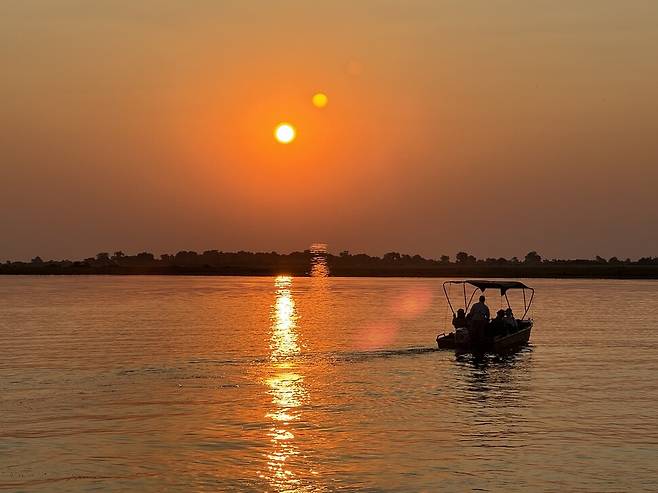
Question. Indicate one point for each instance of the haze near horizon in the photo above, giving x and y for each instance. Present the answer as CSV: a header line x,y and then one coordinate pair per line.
x,y
491,127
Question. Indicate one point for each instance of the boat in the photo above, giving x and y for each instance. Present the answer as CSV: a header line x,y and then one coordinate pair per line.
x,y
477,336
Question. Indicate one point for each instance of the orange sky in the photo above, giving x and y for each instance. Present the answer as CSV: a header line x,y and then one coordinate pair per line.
x,y
494,127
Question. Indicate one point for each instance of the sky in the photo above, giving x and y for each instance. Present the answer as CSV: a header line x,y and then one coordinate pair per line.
x,y
490,126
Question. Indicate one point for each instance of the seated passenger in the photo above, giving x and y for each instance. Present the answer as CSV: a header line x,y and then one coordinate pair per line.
x,y
497,325
510,321
459,320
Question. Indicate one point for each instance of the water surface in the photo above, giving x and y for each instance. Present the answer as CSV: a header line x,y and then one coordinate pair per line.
x,y
319,384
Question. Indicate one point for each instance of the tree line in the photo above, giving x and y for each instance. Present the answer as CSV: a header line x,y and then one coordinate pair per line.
x,y
215,262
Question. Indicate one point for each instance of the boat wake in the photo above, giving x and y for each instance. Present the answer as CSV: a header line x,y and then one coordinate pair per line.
x,y
352,356
302,358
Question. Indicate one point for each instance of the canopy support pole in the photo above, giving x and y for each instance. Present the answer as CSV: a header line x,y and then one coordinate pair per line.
x,y
527,308
470,300
448,298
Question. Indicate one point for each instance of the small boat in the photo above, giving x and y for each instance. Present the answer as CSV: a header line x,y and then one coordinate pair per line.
x,y
477,335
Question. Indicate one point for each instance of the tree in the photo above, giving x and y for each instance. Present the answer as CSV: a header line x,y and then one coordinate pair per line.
x,y
532,258
103,256
118,255
345,253
145,257
392,256
445,259
465,258
37,260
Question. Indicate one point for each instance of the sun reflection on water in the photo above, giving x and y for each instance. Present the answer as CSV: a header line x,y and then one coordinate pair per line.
x,y
319,265
283,342
285,388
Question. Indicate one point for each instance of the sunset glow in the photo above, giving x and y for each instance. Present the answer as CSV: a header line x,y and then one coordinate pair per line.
x,y
294,246
385,116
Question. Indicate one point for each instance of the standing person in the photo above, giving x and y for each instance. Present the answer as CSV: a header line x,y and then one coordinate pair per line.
x,y
479,310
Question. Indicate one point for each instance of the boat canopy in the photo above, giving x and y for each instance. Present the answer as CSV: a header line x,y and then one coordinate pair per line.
x,y
483,285
502,285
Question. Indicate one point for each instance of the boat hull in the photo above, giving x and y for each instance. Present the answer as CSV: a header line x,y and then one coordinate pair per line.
x,y
498,344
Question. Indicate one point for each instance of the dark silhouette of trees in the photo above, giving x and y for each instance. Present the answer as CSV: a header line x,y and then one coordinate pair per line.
x,y
532,258
465,258
145,257
392,256
216,262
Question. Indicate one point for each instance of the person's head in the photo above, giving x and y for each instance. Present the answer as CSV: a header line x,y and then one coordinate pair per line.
x,y
500,313
508,312
461,313
482,298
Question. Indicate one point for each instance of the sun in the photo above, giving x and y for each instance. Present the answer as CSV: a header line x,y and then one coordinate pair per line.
x,y
320,100
285,133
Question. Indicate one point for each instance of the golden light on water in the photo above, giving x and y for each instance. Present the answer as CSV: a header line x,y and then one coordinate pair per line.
x,y
285,133
319,266
285,388
320,100
283,342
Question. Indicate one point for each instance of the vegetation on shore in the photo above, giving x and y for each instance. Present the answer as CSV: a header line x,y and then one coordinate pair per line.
x,y
393,264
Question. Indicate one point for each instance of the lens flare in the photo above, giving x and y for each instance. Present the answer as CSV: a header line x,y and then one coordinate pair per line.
x,y
320,100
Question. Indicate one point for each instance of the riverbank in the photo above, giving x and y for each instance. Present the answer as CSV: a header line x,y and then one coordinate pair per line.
x,y
548,271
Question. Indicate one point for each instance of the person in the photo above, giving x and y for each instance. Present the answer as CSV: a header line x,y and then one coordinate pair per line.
x,y
479,311
459,320
510,321
497,325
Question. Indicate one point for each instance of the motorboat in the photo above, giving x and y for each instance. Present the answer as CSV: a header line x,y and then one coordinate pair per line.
x,y
478,336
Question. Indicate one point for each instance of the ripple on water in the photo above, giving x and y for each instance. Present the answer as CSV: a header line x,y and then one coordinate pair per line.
x,y
261,384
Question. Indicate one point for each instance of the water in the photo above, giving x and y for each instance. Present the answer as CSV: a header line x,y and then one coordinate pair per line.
x,y
262,384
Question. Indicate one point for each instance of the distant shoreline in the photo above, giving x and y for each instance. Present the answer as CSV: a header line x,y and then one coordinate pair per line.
x,y
302,264
384,276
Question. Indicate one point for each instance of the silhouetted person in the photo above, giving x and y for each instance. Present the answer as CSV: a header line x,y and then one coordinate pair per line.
x,y
497,326
510,321
479,311
459,320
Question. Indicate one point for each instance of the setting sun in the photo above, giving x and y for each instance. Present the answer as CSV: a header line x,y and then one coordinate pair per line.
x,y
284,133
